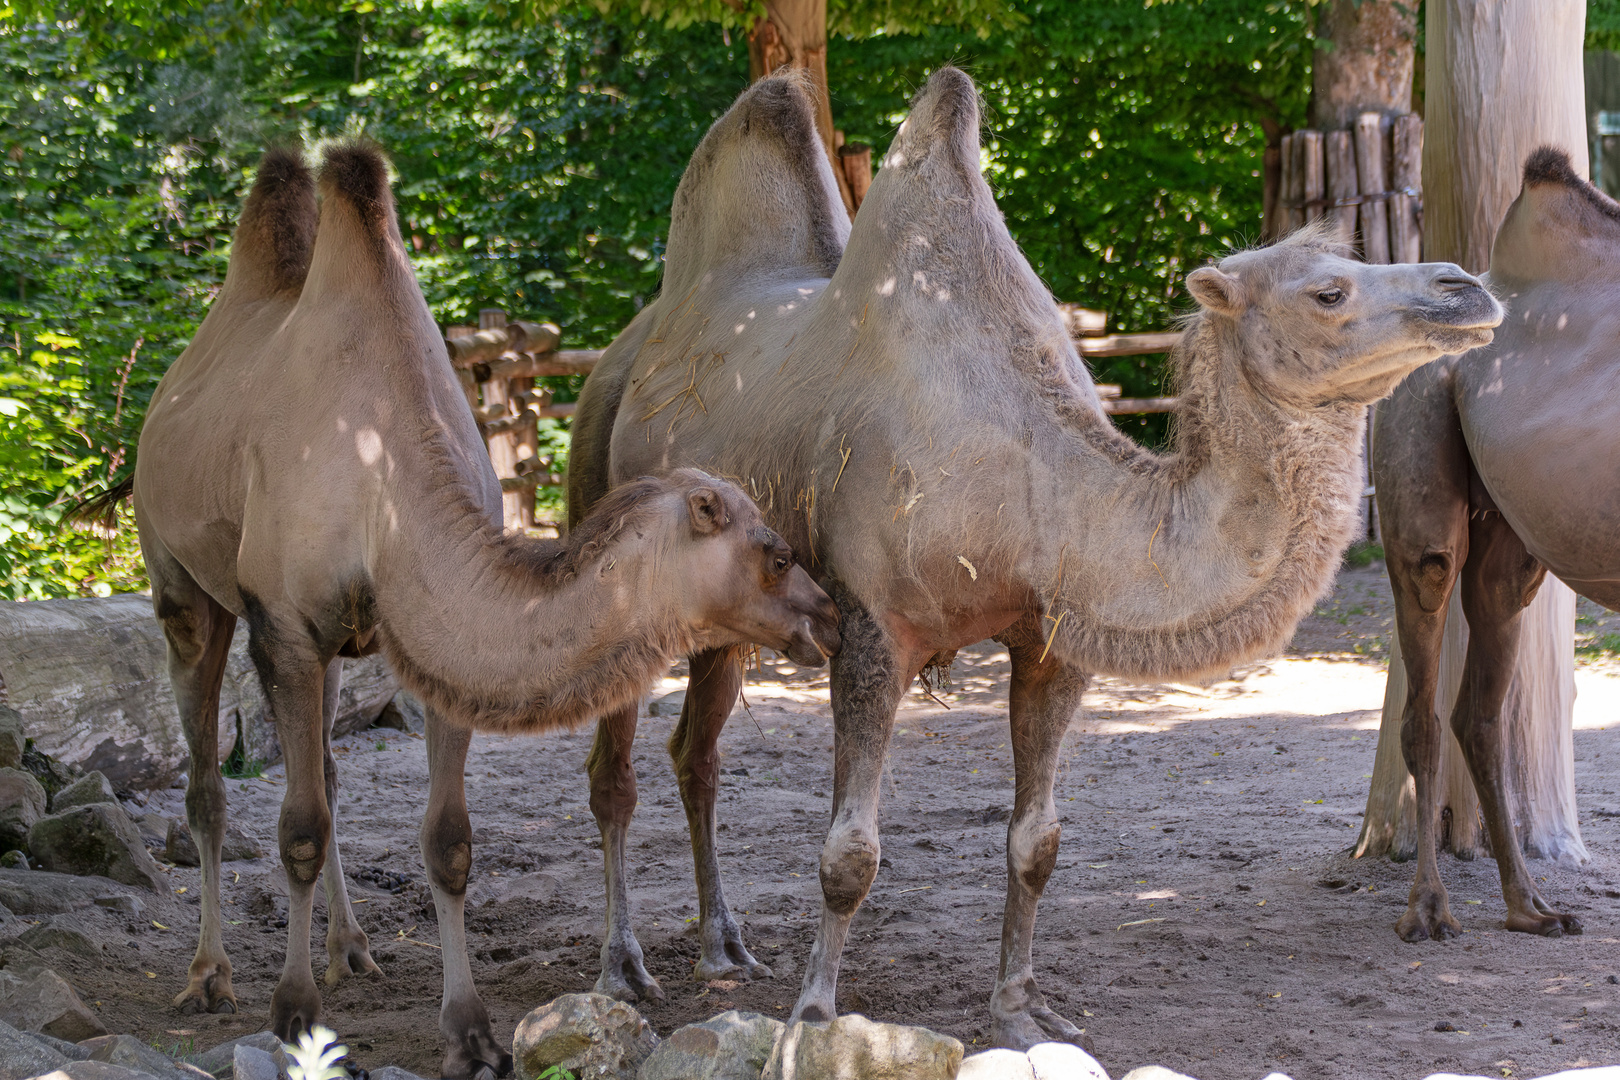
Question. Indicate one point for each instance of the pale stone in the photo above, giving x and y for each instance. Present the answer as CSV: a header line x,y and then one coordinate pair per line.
x,y
38,892
181,849
12,738
43,1001
98,839
1061,1061
63,932
92,787
95,1070
22,802
220,1059
854,1048
22,1056
732,1046
996,1065
251,1063
131,1053
590,1035
1154,1072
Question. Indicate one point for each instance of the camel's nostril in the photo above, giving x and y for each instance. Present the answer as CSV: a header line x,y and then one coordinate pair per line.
x,y
1455,283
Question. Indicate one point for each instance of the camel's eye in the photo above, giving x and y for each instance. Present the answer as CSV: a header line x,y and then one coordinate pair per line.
x,y
1330,297
782,563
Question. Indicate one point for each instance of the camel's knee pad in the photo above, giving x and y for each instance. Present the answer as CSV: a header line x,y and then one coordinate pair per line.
x,y
1032,848
303,853
849,862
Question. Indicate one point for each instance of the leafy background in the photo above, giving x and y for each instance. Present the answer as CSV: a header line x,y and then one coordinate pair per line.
x,y
537,150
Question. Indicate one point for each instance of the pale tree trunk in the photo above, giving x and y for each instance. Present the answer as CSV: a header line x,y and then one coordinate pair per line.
x,y
1502,78
794,33
1365,63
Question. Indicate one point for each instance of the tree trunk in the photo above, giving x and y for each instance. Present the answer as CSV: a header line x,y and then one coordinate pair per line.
x,y
1364,63
1501,80
794,33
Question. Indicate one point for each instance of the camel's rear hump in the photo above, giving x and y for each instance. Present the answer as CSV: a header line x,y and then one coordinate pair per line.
x,y
759,195
271,250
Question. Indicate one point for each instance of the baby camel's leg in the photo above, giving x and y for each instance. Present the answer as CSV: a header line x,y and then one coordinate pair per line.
x,y
613,800
199,632
447,854
1499,581
711,691
1044,699
348,952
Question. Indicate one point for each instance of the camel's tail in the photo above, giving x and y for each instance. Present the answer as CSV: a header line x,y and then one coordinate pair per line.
x,y
100,511
759,194
271,250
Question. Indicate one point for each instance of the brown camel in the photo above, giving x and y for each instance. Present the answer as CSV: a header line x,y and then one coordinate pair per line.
x,y
1492,468
909,409
310,464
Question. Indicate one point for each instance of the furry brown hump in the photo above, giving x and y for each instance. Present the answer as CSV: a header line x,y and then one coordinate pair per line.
x,y
1550,165
356,172
279,217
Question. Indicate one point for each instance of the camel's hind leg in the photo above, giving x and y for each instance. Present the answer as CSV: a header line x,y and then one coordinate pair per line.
x,y
613,800
1044,699
1420,467
348,952
1499,581
447,853
199,632
711,691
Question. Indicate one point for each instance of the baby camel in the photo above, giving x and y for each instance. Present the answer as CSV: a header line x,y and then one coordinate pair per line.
x,y
310,464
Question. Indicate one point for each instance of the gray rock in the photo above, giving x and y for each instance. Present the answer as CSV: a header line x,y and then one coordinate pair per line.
x,y
219,1060
732,1046
131,1053
392,1072
153,827
12,738
854,1048
95,1070
43,1001
404,712
668,705
71,1051
251,1063
96,839
996,1065
22,1055
1154,1072
1061,1061
63,932
22,802
38,892
180,849
591,1035
92,787
14,860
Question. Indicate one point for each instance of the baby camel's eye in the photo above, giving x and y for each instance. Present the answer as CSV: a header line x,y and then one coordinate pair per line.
x,y
1329,297
783,563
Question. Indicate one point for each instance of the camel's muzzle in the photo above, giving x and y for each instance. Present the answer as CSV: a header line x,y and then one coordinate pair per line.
x,y
817,639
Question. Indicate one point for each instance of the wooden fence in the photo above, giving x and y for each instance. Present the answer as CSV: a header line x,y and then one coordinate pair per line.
x,y
498,360
1368,181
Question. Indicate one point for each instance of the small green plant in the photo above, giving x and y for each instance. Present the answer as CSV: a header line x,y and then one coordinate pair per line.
x,y
556,1072
382,744
238,766
1363,553
316,1056
1607,645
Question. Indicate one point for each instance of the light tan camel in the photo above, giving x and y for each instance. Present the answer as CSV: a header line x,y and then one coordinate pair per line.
x,y
1493,468
310,464
913,414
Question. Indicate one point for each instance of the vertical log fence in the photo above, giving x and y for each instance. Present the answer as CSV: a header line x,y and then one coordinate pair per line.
x,y
1368,182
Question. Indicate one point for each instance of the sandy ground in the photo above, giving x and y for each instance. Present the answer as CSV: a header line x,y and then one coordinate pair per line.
x,y
1204,913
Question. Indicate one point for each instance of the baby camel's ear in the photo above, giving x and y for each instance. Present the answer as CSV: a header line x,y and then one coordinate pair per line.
x,y
1218,291
708,510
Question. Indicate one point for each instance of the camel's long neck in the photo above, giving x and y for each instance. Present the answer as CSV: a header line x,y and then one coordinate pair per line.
x,y
1188,564
507,633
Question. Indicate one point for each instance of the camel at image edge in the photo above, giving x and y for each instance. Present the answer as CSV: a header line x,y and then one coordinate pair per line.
x,y
902,400
310,464
1493,468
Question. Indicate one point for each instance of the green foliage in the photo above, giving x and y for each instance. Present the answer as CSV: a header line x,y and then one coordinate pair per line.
x,y
1603,24
537,150
239,766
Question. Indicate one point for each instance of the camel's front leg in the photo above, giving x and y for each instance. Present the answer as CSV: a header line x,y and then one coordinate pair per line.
x,y
472,1051
199,631
613,800
1499,581
1044,699
348,952
711,691
868,678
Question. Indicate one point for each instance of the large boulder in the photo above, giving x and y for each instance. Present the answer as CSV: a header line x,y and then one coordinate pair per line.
x,y
732,1046
95,1070
592,1036
180,849
131,1053
22,1056
13,740
221,1058
37,892
92,787
854,1048
22,802
1061,1061
42,1000
997,1065
90,680
1154,1072
63,932
97,839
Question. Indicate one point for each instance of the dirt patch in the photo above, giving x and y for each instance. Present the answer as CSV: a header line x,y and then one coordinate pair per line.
x,y
1203,913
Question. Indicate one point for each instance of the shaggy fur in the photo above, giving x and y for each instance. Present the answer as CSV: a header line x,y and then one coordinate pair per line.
x,y
919,424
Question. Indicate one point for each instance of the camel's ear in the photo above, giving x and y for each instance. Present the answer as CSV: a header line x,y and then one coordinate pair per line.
x,y
708,510
1217,290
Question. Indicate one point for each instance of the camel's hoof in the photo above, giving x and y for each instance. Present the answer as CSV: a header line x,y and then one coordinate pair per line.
x,y
742,969
1022,1030
1427,919
478,1057
628,981
207,993
1551,925
349,957
813,1012
294,1008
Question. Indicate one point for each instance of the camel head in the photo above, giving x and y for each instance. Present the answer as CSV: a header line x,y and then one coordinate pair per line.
x,y
1314,327
739,582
